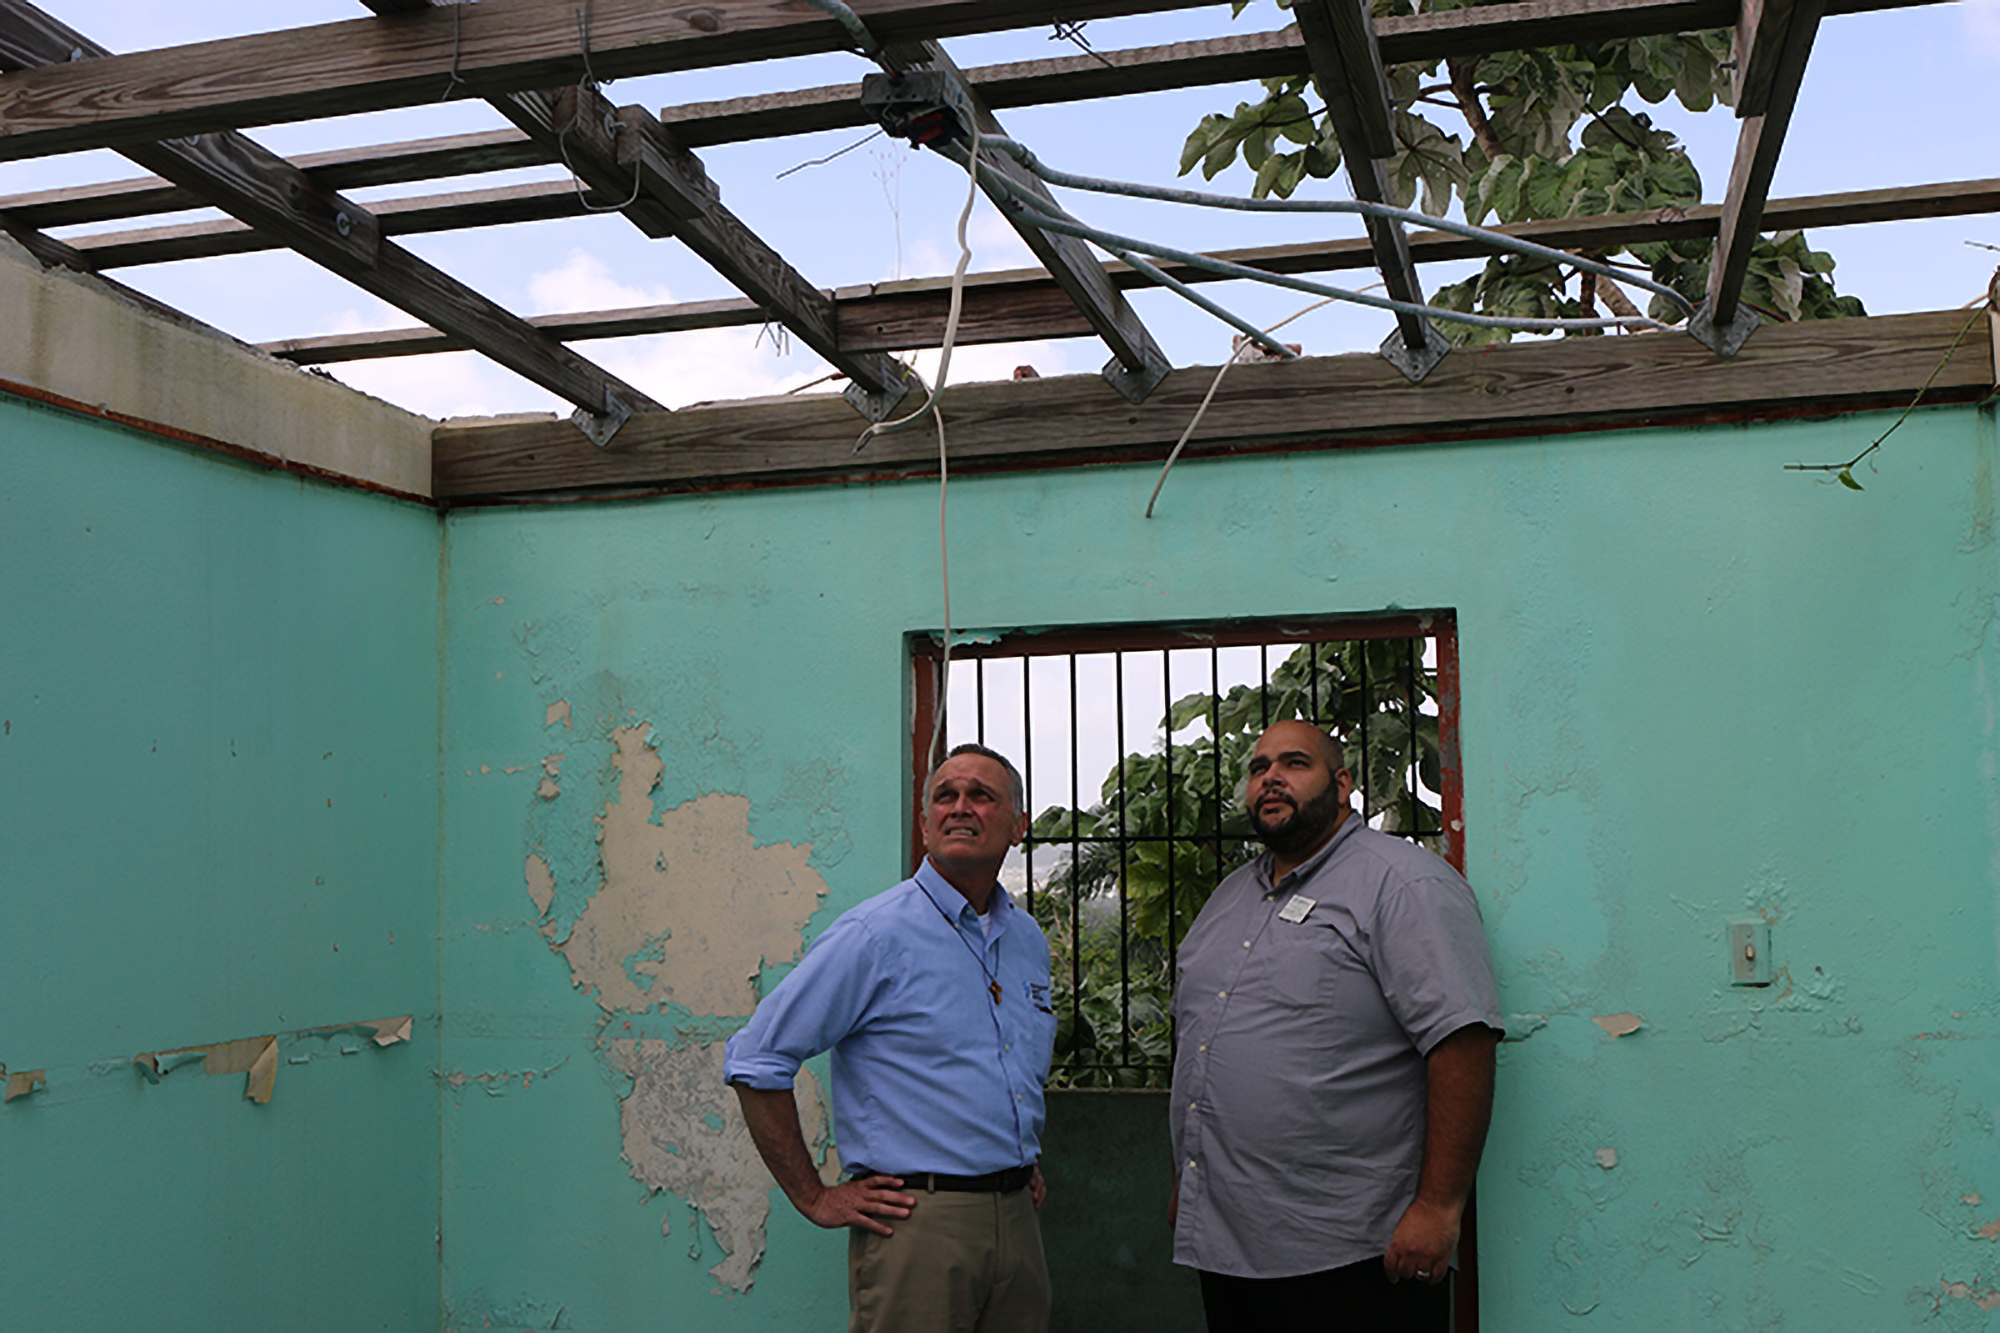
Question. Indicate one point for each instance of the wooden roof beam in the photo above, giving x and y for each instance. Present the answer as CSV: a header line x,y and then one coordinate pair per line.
x,y
1137,364
1347,66
482,50
264,191
1027,83
1773,40
1310,403
1020,305
623,154
624,149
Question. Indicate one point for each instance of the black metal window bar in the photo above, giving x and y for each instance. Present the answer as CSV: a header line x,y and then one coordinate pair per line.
x,y
1126,846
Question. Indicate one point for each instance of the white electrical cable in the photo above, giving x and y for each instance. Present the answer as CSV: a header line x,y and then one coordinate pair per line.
x,y
951,317
937,415
1209,397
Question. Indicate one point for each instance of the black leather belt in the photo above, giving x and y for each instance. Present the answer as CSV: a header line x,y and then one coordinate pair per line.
x,y
995,1182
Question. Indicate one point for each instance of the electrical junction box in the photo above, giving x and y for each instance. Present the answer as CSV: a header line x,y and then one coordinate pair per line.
x,y
1750,952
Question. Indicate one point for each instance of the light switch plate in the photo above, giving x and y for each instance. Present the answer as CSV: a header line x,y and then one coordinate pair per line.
x,y
1750,952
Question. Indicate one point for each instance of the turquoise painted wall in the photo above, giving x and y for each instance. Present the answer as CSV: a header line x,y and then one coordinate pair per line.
x,y
1696,687
218,819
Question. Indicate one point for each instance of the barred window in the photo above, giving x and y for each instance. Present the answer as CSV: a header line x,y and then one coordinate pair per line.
x,y
1131,740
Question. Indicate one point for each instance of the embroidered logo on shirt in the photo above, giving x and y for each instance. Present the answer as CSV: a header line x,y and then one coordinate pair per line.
x,y
1297,910
1038,995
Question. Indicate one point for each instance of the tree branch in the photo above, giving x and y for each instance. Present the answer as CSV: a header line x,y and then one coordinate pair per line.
x,y
1474,111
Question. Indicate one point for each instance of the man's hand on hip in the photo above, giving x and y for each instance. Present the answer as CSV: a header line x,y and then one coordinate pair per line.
x,y
859,1203
1421,1248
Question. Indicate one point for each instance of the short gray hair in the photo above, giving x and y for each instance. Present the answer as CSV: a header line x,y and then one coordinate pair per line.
x,y
1017,790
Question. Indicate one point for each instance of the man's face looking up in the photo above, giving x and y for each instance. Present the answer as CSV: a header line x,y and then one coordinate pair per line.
x,y
1295,792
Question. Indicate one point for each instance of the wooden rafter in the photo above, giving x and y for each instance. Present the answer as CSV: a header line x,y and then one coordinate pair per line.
x,y
482,50
1538,387
1021,305
1236,58
1137,364
1347,67
264,191
1773,40
663,189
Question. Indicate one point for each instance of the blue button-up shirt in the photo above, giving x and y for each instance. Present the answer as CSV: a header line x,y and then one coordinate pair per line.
x,y
929,1073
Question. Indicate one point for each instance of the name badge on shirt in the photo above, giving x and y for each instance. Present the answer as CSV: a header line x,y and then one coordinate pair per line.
x,y
1297,910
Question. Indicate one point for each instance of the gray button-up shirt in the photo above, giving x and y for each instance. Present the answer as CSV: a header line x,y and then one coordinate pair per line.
x,y
1303,1013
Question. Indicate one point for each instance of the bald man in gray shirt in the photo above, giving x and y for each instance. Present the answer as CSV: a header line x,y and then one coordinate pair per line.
x,y
1336,1018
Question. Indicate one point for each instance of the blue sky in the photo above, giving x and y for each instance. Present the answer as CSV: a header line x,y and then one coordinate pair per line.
x,y
1891,98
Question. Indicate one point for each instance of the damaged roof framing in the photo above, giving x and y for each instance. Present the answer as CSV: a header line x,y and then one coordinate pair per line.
x,y
176,111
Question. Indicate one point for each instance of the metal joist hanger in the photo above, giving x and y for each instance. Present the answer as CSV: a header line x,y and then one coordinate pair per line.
x,y
1773,40
924,83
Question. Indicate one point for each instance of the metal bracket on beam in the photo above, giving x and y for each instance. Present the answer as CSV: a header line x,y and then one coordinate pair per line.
x,y
1416,362
599,427
1728,340
876,407
1137,384
924,106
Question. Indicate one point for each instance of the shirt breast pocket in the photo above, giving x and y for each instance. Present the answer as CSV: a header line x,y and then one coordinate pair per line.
x,y
1307,960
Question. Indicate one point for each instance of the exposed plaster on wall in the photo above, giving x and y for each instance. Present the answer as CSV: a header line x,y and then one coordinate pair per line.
x,y
676,890
686,912
681,1138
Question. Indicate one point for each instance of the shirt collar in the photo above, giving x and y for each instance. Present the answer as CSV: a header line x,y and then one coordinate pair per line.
x,y
1307,867
953,904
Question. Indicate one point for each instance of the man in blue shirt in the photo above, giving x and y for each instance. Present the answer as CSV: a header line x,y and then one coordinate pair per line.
x,y
934,999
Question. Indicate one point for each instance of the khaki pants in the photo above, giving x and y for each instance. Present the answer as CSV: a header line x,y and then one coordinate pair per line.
x,y
959,1263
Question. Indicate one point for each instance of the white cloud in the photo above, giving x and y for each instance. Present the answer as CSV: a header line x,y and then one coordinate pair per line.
x,y
1982,23
708,365
584,282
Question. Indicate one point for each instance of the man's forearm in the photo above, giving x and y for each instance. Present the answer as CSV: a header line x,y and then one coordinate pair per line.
x,y
773,1117
1458,1107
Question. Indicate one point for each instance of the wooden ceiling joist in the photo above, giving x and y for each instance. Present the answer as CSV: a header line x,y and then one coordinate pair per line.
x,y
1773,40
1501,391
1027,83
663,189
1021,305
481,50
1137,363
1347,67
268,193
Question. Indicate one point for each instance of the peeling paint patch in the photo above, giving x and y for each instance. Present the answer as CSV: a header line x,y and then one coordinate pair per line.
x,y
1607,1158
547,789
682,1137
558,712
1520,1027
25,1083
1991,1231
255,1056
496,1084
541,884
1620,1025
1985,1300
720,904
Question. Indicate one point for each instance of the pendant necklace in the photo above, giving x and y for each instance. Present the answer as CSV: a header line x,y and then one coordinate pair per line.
x,y
992,982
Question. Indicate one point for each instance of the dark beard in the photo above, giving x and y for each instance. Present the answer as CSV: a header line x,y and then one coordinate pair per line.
x,y
1308,826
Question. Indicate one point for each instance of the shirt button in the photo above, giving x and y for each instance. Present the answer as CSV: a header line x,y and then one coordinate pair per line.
x,y
1246,944
1194,1106
1190,1163
1202,1047
1222,995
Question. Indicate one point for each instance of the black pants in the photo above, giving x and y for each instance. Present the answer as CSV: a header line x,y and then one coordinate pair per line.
x,y
1358,1298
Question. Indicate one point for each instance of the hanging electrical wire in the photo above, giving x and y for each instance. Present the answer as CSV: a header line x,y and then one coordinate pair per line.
x,y
1052,217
